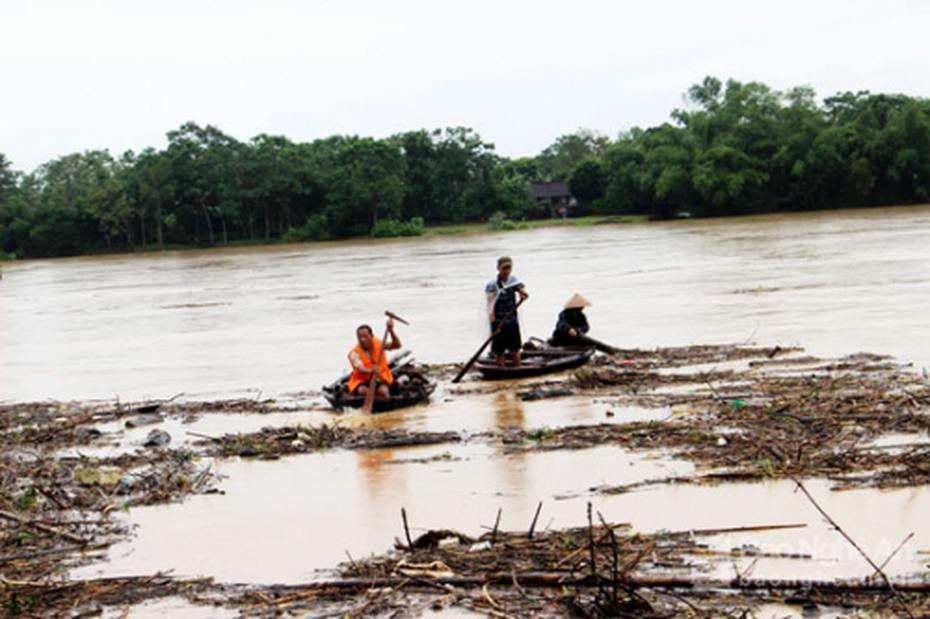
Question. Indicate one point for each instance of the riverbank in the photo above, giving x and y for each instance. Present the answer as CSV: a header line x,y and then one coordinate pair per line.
x,y
474,228
738,414
590,220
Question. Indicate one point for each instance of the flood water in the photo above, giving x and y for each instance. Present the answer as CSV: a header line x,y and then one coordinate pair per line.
x,y
278,321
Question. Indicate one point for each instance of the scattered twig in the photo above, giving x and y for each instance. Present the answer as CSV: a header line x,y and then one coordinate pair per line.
x,y
19,556
77,539
403,515
895,551
852,542
535,518
204,436
744,529
591,542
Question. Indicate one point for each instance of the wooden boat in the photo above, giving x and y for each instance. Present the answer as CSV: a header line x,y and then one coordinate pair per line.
x,y
411,386
535,361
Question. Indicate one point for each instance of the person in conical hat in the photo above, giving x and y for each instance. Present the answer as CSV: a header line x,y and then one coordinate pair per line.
x,y
572,327
577,302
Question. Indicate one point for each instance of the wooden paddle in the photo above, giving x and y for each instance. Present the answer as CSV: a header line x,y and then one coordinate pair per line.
x,y
601,346
369,402
474,357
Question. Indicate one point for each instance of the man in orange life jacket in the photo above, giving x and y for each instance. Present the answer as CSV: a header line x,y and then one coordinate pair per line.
x,y
368,352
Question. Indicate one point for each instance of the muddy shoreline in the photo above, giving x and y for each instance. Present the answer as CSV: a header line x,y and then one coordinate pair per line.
x,y
740,413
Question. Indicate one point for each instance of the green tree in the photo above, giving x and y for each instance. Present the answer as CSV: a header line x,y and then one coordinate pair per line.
x,y
464,183
13,225
106,200
829,168
366,184
281,187
511,180
206,167
736,132
84,190
801,121
623,178
421,194
452,176
588,182
558,160
151,185
664,176
7,180
723,178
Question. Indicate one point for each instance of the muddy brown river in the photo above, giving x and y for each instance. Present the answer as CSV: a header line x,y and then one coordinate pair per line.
x,y
281,319
276,322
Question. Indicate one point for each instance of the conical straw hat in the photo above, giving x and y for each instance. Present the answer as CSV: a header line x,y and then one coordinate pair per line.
x,y
577,302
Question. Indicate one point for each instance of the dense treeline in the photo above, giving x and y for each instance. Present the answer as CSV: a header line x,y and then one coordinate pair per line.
x,y
745,148
737,148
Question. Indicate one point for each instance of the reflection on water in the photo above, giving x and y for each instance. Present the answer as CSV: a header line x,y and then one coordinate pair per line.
x,y
281,319
379,479
285,520
292,520
508,410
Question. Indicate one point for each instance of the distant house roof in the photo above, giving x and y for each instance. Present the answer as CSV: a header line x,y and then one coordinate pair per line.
x,y
549,190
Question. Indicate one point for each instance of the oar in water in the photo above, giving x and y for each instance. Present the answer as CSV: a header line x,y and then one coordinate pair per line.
x,y
369,402
601,346
474,357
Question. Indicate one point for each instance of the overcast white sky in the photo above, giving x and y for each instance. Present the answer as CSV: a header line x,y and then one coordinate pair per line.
x,y
77,75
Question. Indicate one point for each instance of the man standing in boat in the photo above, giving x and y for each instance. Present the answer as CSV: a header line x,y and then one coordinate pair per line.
x,y
502,292
369,353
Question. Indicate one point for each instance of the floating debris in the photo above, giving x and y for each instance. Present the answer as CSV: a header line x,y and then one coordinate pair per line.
x,y
742,413
144,420
545,393
157,438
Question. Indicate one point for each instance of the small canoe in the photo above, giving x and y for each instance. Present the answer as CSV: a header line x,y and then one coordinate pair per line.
x,y
535,362
411,386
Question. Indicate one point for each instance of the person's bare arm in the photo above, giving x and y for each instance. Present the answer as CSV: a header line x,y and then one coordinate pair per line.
x,y
492,297
356,362
395,341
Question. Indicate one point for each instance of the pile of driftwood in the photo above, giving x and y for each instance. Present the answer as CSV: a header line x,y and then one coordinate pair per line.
x,y
740,413
779,417
600,570
56,504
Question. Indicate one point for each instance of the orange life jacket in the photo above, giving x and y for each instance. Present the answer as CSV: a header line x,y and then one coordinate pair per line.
x,y
363,376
